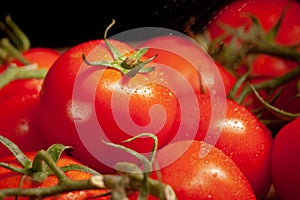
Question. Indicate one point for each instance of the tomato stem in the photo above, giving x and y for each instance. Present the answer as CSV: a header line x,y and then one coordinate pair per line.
x,y
128,65
13,51
278,112
17,35
269,84
273,49
15,73
45,164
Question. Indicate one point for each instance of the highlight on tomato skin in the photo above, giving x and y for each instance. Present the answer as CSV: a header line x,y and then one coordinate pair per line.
x,y
243,138
186,54
20,103
243,164
67,106
194,176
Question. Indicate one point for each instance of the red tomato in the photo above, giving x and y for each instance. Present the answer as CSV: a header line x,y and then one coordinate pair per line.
x,y
286,162
191,61
289,98
43,56
19,105
81,104
267,12
9,179
192,175
242,137
287,101
228,79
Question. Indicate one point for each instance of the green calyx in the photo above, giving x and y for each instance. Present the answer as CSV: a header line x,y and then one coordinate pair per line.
x,y
129,65
43,164
128,177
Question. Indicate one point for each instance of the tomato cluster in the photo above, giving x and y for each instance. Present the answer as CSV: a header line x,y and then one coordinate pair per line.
x,y
212,119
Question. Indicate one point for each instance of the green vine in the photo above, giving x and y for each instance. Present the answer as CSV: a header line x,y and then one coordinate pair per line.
x,y
129,176
241,46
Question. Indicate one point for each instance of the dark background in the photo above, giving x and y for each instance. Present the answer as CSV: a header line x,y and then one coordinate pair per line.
x,y
63,24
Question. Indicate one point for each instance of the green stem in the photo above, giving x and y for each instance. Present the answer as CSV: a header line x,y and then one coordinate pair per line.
x,y
278,112
10,34
233,92
42,158
5,43
14,73
3,56
49,191
273,49
21,38
132,182
269,84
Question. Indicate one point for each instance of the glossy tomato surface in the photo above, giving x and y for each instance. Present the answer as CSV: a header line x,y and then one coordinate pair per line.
x,y
19,104
242,137
83,104
236,14
286,162
190,60
197,170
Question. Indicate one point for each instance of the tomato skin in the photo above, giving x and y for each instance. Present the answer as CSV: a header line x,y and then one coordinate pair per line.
x,y
178,63
286,162
229,79
244,139
20,121
187,57
288,100
9,179
214,176
43,56
267,12
65,110
19,104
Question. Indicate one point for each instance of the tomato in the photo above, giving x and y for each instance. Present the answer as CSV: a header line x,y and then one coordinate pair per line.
x,y
10,179
289,98
191,61
287,101
19,104
267,12
286,162
43,56
192,175
80,104
242,137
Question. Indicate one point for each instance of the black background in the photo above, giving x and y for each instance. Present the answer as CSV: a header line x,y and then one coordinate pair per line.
x,y
62,23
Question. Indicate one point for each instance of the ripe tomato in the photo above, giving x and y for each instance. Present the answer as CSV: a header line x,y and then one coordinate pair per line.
x,y
267,12
192,175
80,104
19,104
289,98
191,61
43,56
286,162
242,137
9,179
